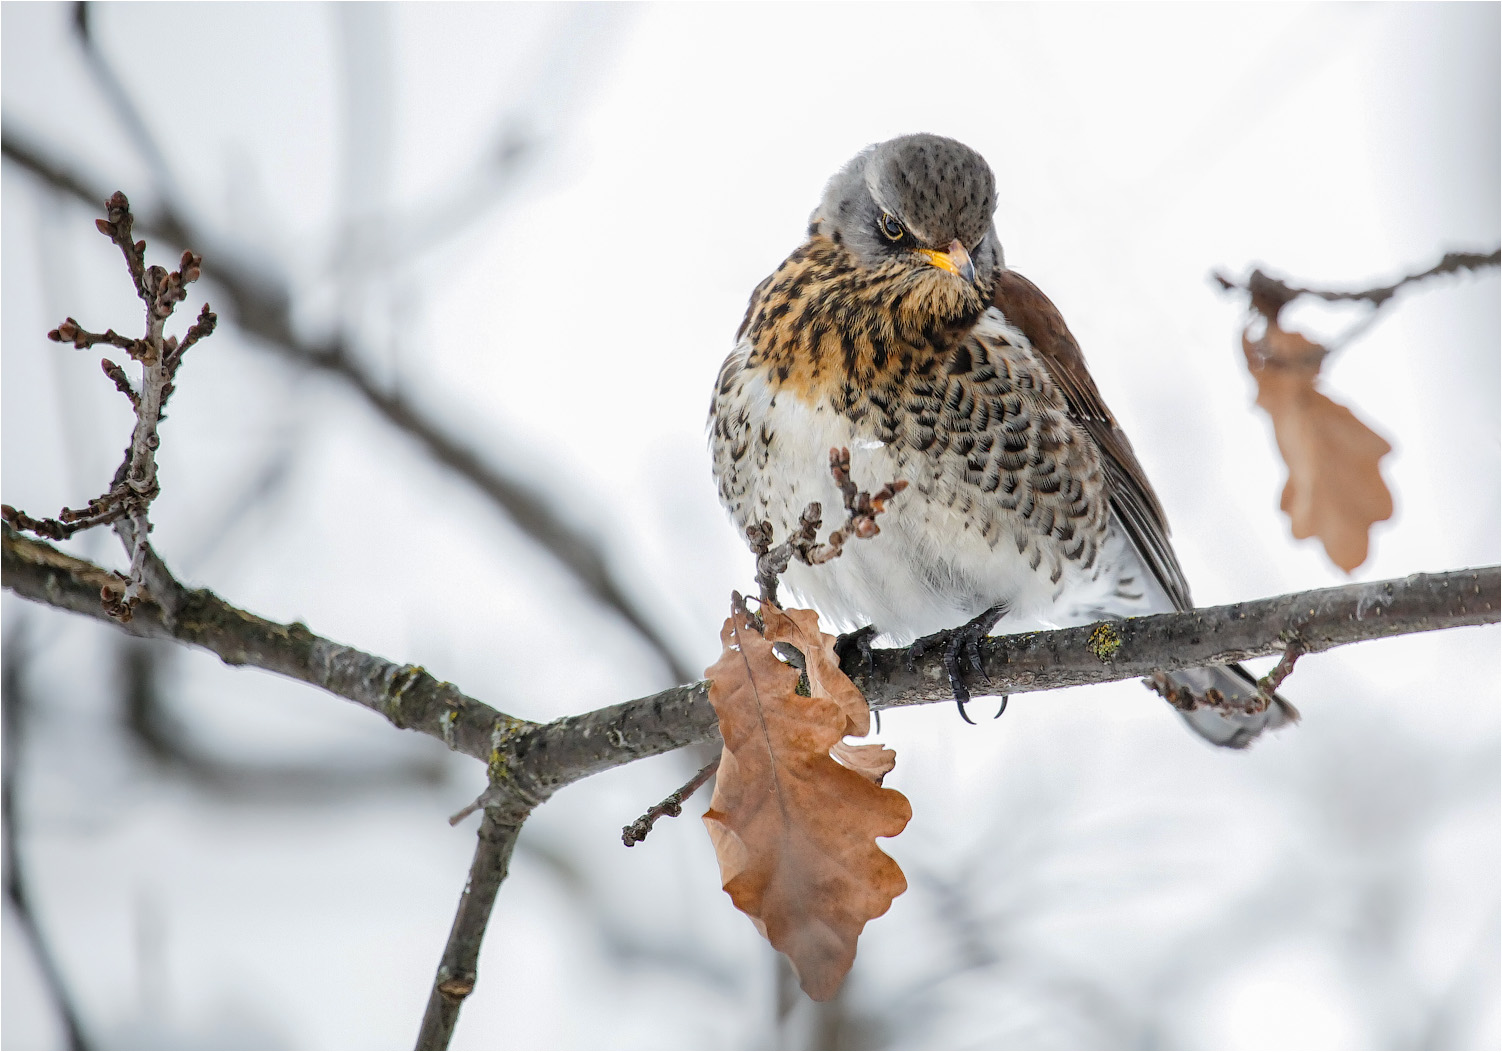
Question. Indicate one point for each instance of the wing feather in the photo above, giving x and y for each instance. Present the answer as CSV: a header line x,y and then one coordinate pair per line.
x,y
1132,498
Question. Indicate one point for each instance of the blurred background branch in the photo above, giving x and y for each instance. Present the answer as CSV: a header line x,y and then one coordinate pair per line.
x,y
145,670
262,305
17,709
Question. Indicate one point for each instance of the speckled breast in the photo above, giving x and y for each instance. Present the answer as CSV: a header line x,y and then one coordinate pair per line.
x,y
1006,497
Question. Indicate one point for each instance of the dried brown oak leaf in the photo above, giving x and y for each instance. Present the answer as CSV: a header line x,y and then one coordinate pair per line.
x,y
795,831
1335,489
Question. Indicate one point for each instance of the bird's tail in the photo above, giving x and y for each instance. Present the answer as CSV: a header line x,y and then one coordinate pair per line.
x,y
1232,687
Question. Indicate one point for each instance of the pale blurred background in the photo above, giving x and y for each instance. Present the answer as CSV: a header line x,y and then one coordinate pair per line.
x,y
539,226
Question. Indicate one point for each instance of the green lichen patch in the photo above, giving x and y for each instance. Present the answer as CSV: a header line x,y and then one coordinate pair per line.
x,y
497,768
1105,641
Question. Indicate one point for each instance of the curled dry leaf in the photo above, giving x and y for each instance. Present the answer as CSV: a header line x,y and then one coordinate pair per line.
x,y
795,831
800,628
1335,489
869,761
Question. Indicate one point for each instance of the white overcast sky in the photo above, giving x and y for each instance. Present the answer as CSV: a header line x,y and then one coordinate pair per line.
x,y
572,332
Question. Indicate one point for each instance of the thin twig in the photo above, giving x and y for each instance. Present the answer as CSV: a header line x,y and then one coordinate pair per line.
x,y
672,807
1268,685
66,524
862,508
127,503
1269,295
81,339
121,381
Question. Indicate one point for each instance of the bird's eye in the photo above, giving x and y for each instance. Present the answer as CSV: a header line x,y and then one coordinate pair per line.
x,y
890,227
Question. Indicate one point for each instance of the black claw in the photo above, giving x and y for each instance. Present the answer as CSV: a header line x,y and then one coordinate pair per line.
x,y
1002,707
972,651
877,713
956,674
962,642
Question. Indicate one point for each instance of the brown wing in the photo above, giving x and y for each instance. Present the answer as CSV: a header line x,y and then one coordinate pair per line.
x,y
1132,496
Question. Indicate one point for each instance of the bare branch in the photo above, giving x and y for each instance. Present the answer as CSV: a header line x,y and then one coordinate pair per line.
x,y
70,332
406,695
1268,685
578,746
121,381
528,762
128,501
68,522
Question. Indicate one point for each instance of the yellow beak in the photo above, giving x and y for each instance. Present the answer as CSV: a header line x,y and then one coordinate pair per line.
x,y
955,260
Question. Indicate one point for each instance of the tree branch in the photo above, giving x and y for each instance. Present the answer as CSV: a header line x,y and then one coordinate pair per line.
x,y
458,967
803,544
405,694
1270,295
261,305
538,759
566,750
128,502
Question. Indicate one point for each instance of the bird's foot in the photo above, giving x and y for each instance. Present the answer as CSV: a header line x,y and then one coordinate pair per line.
x,y
961,647
854,652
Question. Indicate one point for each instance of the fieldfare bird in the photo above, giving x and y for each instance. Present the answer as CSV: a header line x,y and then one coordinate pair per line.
x,y
896,331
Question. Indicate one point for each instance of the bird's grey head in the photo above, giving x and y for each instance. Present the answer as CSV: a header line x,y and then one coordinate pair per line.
x,y
920,198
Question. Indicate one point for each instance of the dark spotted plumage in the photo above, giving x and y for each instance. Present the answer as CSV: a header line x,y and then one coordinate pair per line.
x,y
896,331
